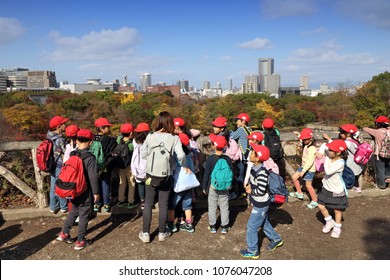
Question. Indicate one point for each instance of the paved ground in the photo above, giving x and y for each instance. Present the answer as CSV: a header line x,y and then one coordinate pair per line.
x,y
365,236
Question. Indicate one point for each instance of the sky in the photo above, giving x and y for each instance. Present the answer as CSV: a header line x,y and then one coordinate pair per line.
x,y
333,42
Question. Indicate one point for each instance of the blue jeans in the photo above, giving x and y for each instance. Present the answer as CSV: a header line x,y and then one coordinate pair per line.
x,y
185,197
382,171
105,189
56,202
257,219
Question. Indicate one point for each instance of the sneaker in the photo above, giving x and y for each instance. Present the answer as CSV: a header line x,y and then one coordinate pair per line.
x,y
54,211
232,196
63,237
132,205
64,211
312,204
212,229
144,236
171,227
274,244
142,204
297,195
96,207
336,232
187,227
80,245
249,255
121,204
328,226
224,230
164,235
358,190
106,208
379,188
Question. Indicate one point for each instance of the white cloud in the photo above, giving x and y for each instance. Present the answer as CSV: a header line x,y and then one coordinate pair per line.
x,y
10,30
286,8
256,44
373,12
103,45
226,58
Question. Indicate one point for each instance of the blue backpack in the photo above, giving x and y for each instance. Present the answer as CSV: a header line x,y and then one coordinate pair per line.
x,y
348,177
222,175
277,187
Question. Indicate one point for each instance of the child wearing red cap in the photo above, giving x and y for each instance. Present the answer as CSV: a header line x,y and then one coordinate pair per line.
x,y
258,191
240,134
82,205
56,134
334,193
71,135
138,164
307,169
273,143
183,197
216,197
108,144
125,175
381,133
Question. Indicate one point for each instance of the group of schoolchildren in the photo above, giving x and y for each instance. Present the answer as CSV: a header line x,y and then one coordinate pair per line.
x,y
252,153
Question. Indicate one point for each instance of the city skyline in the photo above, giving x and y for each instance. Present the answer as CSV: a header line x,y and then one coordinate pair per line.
x,y
343,41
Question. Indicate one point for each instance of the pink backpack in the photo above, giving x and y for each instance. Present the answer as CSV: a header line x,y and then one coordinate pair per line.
x,y
363,152
233,150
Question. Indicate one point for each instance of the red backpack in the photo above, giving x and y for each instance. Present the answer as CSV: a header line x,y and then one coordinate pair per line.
x,y
45,156
71,181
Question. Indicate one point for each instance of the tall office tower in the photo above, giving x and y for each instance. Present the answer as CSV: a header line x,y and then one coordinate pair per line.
x,y
266,69
230,84
3,82
145,81
253,79
218,85
41,79
206,84
184,85
274,85
304,82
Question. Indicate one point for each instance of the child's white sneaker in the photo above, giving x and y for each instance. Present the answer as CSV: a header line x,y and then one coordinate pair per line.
x,y
328,226
336,232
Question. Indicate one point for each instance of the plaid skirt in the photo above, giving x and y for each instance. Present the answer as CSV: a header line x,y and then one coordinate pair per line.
x,y
331,200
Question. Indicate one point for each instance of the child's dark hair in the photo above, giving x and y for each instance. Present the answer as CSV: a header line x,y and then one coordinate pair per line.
x,y
381,125
312,143
140,137
164,121
344,155
226,133
126,134
83,139
69,139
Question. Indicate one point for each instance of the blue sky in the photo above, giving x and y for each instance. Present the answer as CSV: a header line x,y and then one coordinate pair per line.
x,y
340,41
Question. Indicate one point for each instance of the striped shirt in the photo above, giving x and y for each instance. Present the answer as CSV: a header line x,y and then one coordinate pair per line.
x,y
258,180
240,134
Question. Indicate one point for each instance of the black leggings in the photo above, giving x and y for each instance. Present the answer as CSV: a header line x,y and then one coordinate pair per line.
x,y
162,192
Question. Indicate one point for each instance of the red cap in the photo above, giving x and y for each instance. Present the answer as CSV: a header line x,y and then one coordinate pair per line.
x,y
382,119
256,135
141,127
179,122
218,141
56,121
185,140
126,128
102,122
243,117
337,145
306,133
351,128
86,133
262,151
219,122
71,130
268,123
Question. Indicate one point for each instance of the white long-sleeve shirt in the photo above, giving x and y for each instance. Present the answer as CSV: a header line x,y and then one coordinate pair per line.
x,y
333,181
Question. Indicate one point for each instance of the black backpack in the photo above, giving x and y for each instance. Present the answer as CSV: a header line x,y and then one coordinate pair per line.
x,y
272,142
121,155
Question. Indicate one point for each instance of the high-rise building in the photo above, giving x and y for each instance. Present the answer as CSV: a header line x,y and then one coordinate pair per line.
x,y
218,85
41,79
268,80
184,85
16,77
230,84
253,79
3,82
304,82
145,81
206,84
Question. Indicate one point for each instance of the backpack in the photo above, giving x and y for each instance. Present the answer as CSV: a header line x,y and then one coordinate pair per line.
x,y
138,164
348,177
277,188
272,142
363,152
222,175
97,150
384,150
45,156
121,155
71,181
233,150
319,163
158,158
